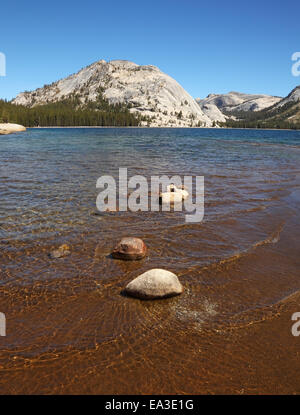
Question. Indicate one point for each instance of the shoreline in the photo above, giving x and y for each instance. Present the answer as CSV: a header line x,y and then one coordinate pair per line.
x,y
173,128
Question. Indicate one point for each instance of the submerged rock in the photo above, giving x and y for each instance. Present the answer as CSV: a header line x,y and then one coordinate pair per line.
x,y
155,283
61,252
130,249
173,194
170,197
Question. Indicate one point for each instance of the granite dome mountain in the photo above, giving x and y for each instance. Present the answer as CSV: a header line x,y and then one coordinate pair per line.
x,y
145,90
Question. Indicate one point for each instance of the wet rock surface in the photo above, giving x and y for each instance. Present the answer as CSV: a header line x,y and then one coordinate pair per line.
x,y
155,283
130,248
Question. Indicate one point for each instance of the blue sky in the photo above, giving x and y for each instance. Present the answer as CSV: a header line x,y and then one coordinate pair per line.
x,y
207,46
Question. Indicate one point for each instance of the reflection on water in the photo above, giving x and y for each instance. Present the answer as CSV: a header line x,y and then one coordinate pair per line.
x,y
68,328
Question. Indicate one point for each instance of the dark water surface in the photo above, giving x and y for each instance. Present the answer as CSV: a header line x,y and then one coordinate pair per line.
x,y
68,328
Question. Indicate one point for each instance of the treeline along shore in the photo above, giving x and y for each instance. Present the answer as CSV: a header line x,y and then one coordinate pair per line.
x,y
67,113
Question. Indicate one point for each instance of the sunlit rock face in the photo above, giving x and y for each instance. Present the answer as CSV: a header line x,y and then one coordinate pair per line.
x,y
237,101
212,111
8,128
293,97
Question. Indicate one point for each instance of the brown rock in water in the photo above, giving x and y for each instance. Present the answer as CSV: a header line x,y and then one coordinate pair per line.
x,y
61,252
130,249
155,283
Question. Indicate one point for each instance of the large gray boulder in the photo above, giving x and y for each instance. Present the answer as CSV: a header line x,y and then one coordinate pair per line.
x,y
8,128
155,283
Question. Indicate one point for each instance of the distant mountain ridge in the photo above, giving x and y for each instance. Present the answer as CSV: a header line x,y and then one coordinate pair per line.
x,y
284,113
236,109
238,101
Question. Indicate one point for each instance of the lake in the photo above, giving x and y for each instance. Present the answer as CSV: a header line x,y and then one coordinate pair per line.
x,y
69,329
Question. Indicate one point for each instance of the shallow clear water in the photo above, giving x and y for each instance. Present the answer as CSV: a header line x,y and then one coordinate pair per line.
x,y
66,319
